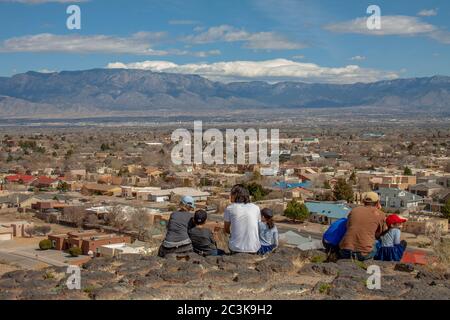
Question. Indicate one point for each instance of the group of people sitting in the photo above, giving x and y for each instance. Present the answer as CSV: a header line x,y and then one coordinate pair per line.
x,y
366,234
251,230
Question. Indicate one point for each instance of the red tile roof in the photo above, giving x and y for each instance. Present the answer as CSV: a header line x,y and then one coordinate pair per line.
x,y
20,177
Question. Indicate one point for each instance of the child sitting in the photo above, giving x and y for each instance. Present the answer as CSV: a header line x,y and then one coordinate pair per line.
x,y
268,232
202,238
391,248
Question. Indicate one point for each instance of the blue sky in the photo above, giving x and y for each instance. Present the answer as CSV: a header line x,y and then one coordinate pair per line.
x,y
272,40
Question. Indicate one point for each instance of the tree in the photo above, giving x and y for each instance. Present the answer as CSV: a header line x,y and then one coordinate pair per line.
x,y
326,185
75,215
38,230
407,171
45,244
343,191
104,147
75,251
353,177
63,186
296,211
140,221
446,210
257,191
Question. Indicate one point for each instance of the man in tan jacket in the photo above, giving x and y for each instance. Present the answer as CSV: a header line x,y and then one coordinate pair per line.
x,y
365,224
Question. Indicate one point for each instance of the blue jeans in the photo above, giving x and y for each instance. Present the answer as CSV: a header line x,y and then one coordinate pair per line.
x,y
349,254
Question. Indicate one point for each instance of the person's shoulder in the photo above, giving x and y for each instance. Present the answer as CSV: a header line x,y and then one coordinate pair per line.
x,y
252,206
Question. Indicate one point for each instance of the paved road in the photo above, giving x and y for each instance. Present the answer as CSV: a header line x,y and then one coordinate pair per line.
x,y
21,261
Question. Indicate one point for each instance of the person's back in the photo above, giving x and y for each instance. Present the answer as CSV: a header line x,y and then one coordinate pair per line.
x,y
244,219
177,228
364,224
334,234
202,240
268,236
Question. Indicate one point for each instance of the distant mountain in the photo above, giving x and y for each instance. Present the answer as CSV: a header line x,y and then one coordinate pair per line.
x,y
109,90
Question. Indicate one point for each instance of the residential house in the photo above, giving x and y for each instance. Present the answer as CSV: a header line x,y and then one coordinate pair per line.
x,y
399,200
89,241
426,190
45,182
325,212
198,195
100,189
444,181
160,195
118,249
392,181
20,179
18,228
6,234
421,224
18,200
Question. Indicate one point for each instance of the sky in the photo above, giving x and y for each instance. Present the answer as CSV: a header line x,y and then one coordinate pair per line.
x,y
325,41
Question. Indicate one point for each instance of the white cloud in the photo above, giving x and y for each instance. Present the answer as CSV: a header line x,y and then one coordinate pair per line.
x,y
358,58
139,43
428,12
46,71
47,42
258,40
390,25
270,70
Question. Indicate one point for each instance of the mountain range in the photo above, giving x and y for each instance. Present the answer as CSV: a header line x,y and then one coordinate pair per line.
x,y
105,91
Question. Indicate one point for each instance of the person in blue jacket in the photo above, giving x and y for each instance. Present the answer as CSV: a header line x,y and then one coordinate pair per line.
x,y
391,248
333,236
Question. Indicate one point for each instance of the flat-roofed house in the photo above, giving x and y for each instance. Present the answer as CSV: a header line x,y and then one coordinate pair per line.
x,y
327,212
101,189
426,189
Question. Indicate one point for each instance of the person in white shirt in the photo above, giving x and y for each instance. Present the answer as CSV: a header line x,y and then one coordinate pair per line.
x,y
241,222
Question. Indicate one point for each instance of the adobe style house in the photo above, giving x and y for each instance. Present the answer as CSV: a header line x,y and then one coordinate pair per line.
x,y
100,189
45,182
392,181
17,228
89,241
426,189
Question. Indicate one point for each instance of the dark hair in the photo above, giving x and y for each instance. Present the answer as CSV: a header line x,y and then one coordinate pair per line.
x,y
268,214
240,194
200,217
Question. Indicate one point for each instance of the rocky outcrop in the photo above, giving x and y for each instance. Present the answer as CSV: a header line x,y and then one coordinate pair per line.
x,y
286,274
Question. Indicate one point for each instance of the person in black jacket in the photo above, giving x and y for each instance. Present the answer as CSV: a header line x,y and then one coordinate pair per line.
x,y
202,238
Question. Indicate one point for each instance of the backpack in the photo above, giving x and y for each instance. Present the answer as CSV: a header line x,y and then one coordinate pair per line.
x,y
336,232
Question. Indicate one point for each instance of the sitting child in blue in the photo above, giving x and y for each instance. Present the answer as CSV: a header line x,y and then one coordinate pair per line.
x,y
390,246
268,232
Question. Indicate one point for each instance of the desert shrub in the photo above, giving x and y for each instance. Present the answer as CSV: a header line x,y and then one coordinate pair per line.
x,y
45,244
75,251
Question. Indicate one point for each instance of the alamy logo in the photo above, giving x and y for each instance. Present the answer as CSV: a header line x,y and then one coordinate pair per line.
x,y
74,280
74,20
374,21
374,280
241,147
